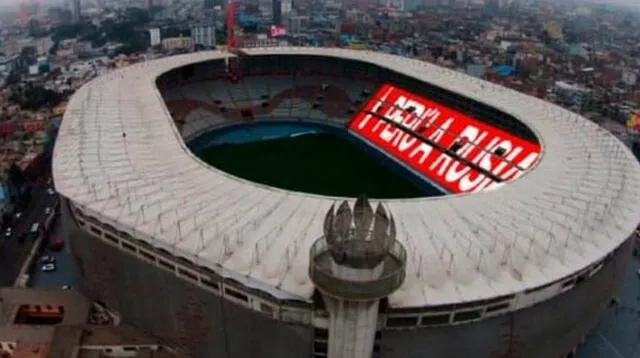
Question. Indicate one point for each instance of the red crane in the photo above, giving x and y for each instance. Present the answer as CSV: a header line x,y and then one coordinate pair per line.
x,y
233,67
231,24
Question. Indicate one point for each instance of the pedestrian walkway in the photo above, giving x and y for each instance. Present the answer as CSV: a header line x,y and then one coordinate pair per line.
x,y
618,333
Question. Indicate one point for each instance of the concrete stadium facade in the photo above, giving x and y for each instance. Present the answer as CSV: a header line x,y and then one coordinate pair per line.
x,y
206,323
208,311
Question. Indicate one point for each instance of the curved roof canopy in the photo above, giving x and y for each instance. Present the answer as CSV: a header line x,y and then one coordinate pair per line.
x,y
579,203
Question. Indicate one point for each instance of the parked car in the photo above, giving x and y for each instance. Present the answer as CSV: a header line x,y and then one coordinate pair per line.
x,y
47,259
48,268
66,287
56,244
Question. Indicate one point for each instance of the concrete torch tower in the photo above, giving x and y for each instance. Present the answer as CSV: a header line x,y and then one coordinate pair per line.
x,y
354,265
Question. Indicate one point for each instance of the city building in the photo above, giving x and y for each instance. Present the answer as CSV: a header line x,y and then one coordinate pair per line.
x,y
76,11
280,10
209,4
204,35
277,12
155,37
570,94
58,323
297,24
177,43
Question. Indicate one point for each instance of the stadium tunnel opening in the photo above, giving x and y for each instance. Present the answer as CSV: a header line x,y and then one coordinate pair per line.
x,y
203,98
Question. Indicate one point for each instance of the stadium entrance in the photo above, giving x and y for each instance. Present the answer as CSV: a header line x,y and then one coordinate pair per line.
x,y
315,159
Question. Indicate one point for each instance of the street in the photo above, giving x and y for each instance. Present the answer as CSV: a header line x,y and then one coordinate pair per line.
x,y
13,252
618,333
65,273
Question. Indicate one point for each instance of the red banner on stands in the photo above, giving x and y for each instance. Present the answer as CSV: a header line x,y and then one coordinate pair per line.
x,y
8,128
424,135
33,126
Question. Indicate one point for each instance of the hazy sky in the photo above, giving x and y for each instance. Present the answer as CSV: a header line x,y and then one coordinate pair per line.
x,y
630,3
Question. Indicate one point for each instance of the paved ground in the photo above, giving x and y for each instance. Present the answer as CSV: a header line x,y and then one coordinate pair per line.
x,y
618,333
12,252
65,273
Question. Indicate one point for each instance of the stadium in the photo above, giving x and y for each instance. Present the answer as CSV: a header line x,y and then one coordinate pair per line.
x,y
509,243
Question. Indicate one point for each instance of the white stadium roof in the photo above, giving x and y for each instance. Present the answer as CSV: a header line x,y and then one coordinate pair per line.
x,y
579,203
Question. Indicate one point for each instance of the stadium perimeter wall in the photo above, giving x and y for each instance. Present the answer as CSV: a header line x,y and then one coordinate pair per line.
x,y
205,325
549,329
171,308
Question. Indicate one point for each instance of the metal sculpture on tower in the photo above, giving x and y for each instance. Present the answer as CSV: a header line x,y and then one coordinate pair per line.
x,y
356,263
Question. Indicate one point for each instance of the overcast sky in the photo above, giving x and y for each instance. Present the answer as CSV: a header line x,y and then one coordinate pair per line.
x,y
629,3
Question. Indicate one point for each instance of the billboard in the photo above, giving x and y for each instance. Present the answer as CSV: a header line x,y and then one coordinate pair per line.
x,y
275,31
454,151
633,122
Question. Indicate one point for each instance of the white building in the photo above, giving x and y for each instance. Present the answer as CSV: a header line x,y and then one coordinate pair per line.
x,y
297,24
204,35
570,93
154,36
177,43
76,11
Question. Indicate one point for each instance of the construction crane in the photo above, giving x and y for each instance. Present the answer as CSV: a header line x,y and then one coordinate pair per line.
x,y
231,24
233,65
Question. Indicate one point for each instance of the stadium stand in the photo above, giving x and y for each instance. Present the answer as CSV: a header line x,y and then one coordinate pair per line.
x,y
200,106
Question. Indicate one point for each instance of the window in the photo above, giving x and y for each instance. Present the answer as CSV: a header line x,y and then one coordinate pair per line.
x,y
167,265
568,283
581,278
402,321
110,237
320,347
128,246
321,334
498,307
212,285
467,316
147,255
266,308
435,320
188,274
236,295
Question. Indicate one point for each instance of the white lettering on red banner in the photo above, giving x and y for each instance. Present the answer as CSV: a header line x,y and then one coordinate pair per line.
x,y
495,151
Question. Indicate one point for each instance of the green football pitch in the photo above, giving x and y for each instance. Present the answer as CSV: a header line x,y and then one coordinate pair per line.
x,y
319,163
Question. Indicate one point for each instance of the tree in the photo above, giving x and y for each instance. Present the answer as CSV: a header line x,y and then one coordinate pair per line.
x,y
35,97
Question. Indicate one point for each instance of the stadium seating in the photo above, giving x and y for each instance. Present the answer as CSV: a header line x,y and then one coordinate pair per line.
x,y
202,105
